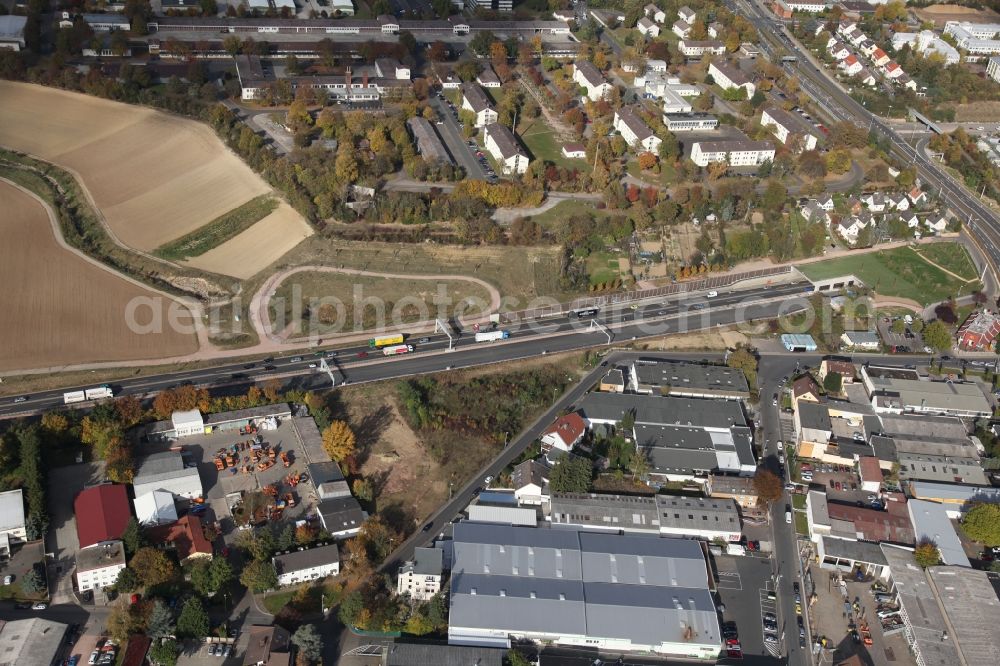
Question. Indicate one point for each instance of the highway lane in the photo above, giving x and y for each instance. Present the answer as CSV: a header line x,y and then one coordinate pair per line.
x,y
359,363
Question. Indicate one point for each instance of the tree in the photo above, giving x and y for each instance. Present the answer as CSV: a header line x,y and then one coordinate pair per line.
x,y
927,554
193,620
165,653
898,326
127,581
437,52
298,116
309,642
571,475
833,383
132,537
743,359
259,576
363,490
515,658
982,524
768,486
937,335
338,440
152,566
161,621
638,463
32,581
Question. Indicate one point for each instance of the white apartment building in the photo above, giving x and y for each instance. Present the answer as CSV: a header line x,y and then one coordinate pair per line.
x,y
505,149
993,68
975,38
588,76
474,99
698,48
729,77
681,28
12,515
98,567
421,577
655,13
635,132
925,43
787,125
299,566
739,152
647,28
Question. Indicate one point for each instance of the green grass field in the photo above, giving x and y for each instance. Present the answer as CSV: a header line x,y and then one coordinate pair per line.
x,y
565,209
541,140
952,256
219,230
899,272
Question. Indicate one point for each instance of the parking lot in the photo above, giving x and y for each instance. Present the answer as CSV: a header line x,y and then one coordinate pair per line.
x,y
64,484
841,483
451,133
908,339
744,589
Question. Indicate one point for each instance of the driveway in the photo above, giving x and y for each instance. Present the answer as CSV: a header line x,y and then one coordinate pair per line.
x,y
64,484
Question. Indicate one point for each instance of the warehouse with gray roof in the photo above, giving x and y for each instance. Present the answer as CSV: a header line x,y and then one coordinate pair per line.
x,y
429,144
626,593
695,380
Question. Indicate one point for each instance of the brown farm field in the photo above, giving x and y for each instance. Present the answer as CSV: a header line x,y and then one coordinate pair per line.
x,y
941,14
60,308
154,176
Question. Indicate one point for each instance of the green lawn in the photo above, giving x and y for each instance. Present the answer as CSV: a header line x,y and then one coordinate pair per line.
x,y
666,177
602,267
565,209
801,523
541,140
898,272
799,502
952,256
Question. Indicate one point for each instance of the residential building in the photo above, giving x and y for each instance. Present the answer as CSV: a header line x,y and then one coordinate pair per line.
x,y
421,577
685,13
729,76
866,340
306,564
647,27
574,151
34,641
681,28
977,39
474,99
695,122
167,471
565,433
268,646
838,51
896,391
12,32
931,524
735,152
951,614
845,369
740,489
697,48
655,13
812,212
155,508
681,378
588,76
870,473
993,68
12,523
338,510
505,149
488,78
979,331
102,514
851,65
185,536
673,102
572,588
684,438
98,567
635,132
805,388
789,126
429,143
925,43
804,6
531,482
97,22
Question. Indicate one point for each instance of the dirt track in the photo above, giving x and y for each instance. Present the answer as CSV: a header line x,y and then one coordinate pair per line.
x,y
61,307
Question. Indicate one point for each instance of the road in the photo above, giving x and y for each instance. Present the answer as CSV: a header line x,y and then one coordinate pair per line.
x,y
982,223
451,132
358,363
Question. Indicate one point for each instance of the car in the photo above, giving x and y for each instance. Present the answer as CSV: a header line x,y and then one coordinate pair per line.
x,y
313,366
228,650
733,641
781,458
93,657
872,498
798,608
712,294
20,398
74,660
779,445
424,341
802,641
8,579
488,480
41,605
798,598
798,620
363,354
734,653
807,476
770,617
774,402
296,359
770,638
331,354
980,129
211,649
802,632
771,596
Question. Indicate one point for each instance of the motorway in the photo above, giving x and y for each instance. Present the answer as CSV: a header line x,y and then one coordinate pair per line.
x,y
358,363
982,223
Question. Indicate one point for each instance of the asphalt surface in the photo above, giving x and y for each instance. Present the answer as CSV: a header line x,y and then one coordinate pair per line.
x,y
358,363
451,132
982,223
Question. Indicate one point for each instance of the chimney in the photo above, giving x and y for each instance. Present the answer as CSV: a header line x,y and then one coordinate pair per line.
x,y
347,78
364,80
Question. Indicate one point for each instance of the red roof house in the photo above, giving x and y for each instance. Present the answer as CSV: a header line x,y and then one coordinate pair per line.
x,y
102,513
136,650
870,473
564,433
186,536
979,331
892,525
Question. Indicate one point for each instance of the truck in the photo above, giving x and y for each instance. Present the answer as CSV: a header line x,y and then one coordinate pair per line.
x,y
74,396
385,341
99,392
492,336
397,349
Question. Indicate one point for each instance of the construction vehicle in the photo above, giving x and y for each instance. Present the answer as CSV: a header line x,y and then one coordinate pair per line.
x,y
265,465
284,459
289,500
270,491
220,464
294,479
271,454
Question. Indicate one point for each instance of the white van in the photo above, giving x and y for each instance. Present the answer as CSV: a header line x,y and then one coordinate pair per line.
x,y
788,516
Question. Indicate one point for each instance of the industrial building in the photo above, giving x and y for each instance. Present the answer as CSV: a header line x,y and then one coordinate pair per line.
x,y
262,417
956,498
609,592
155,508
692,380
32,642
429,144
166,471
898,391
102,514
12,524
337,509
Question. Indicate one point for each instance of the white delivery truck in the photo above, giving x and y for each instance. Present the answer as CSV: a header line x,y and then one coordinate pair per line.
x,y
492,336
99,393
397,349
74,396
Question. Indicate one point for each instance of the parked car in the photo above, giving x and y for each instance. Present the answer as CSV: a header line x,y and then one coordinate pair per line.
x,y
8,579
41,605
93,657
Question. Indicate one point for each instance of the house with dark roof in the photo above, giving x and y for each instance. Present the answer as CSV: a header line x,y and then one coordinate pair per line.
x,y
805,388
681,378
635,131
102,514
420,578
531,482
430,654
306,564
268,646
505,148
475,99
